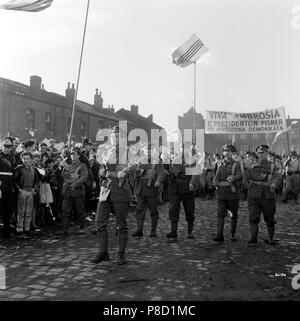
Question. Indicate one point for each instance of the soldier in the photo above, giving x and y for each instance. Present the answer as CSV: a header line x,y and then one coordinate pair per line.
x,y
263,178
73,191
7,185
149,181
292,171
228,178
182,187
115,196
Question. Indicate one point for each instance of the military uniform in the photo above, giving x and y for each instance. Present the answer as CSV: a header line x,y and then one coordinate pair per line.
x,y
115,196
73,192
180,191
292,167
149,179
7,188
228,194
262,179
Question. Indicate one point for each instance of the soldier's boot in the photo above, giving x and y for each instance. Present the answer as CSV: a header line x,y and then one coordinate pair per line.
x,y
190,230
121,258
271,232
123,237
65,230
173,233
233,229
103,248
220,229
254,233
139,229
295,197
153,227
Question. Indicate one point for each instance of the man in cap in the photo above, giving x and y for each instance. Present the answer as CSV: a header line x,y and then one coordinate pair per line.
x,y
262,179
7,185
150,177
183,183
28,146
228,178
292,181
115,195
73,191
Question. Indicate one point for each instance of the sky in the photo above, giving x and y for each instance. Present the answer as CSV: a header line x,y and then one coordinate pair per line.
x,y
253,61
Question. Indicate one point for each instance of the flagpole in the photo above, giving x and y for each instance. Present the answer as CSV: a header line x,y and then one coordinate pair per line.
x,y
195,113
79,71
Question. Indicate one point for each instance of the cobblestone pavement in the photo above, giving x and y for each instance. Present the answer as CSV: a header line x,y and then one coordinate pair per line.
x,y
52,268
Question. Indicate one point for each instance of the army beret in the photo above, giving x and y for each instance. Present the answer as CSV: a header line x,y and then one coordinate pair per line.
x,y
262,148
229,147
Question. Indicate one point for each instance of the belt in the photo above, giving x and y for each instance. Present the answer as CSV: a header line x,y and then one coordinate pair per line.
x,y
260,183
6,173
223,183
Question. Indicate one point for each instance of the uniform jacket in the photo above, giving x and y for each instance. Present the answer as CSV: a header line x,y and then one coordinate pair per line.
x,y
6,172
119,189
226,169
146,176
262,171
179,181
76,174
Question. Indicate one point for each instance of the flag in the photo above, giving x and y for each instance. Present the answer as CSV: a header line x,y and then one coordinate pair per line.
x,y
27,5
189,52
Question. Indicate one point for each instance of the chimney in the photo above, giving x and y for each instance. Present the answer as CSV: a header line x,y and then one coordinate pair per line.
x,y
111,108
150,117
134,109
35,85
98,100
70,92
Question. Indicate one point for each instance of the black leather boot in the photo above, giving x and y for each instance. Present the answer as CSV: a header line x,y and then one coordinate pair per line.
x,y
220,228
190,230
121,258
233,229
100,257
173,233
254,233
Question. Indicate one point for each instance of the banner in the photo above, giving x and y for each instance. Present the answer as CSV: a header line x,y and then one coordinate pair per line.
x,y
267,121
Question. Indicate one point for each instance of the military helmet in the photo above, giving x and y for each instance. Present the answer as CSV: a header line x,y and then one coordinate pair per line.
x,y
262,148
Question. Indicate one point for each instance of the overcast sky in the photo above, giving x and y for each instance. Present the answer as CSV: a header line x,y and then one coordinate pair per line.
x,y
253,63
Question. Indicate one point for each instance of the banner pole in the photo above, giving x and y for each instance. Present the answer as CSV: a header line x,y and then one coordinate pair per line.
x,y
79,72
195,113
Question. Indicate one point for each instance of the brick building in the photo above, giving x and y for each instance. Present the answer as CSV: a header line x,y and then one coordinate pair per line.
x,y
245,142
32,112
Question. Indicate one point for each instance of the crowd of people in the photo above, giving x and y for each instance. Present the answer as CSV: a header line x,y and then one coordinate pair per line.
x,y
41,186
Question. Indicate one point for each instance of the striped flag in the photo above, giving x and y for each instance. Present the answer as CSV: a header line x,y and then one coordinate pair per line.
x,y
27,5
189,52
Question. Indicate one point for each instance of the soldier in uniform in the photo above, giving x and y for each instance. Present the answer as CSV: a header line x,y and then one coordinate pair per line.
x,y
115,196
149,181
263,178
73,191
292,171
182,187
7,163
228,178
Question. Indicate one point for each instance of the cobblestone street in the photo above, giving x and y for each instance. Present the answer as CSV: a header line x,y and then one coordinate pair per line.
x,y
52,268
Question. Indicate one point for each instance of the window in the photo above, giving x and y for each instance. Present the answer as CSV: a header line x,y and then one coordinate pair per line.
x,y
30,118
295,133
49,121
100,124
83,129
244,148
243,136
255,136
68,124
229,137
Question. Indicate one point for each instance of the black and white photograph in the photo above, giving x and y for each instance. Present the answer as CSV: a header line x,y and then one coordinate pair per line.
x,y
149,154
